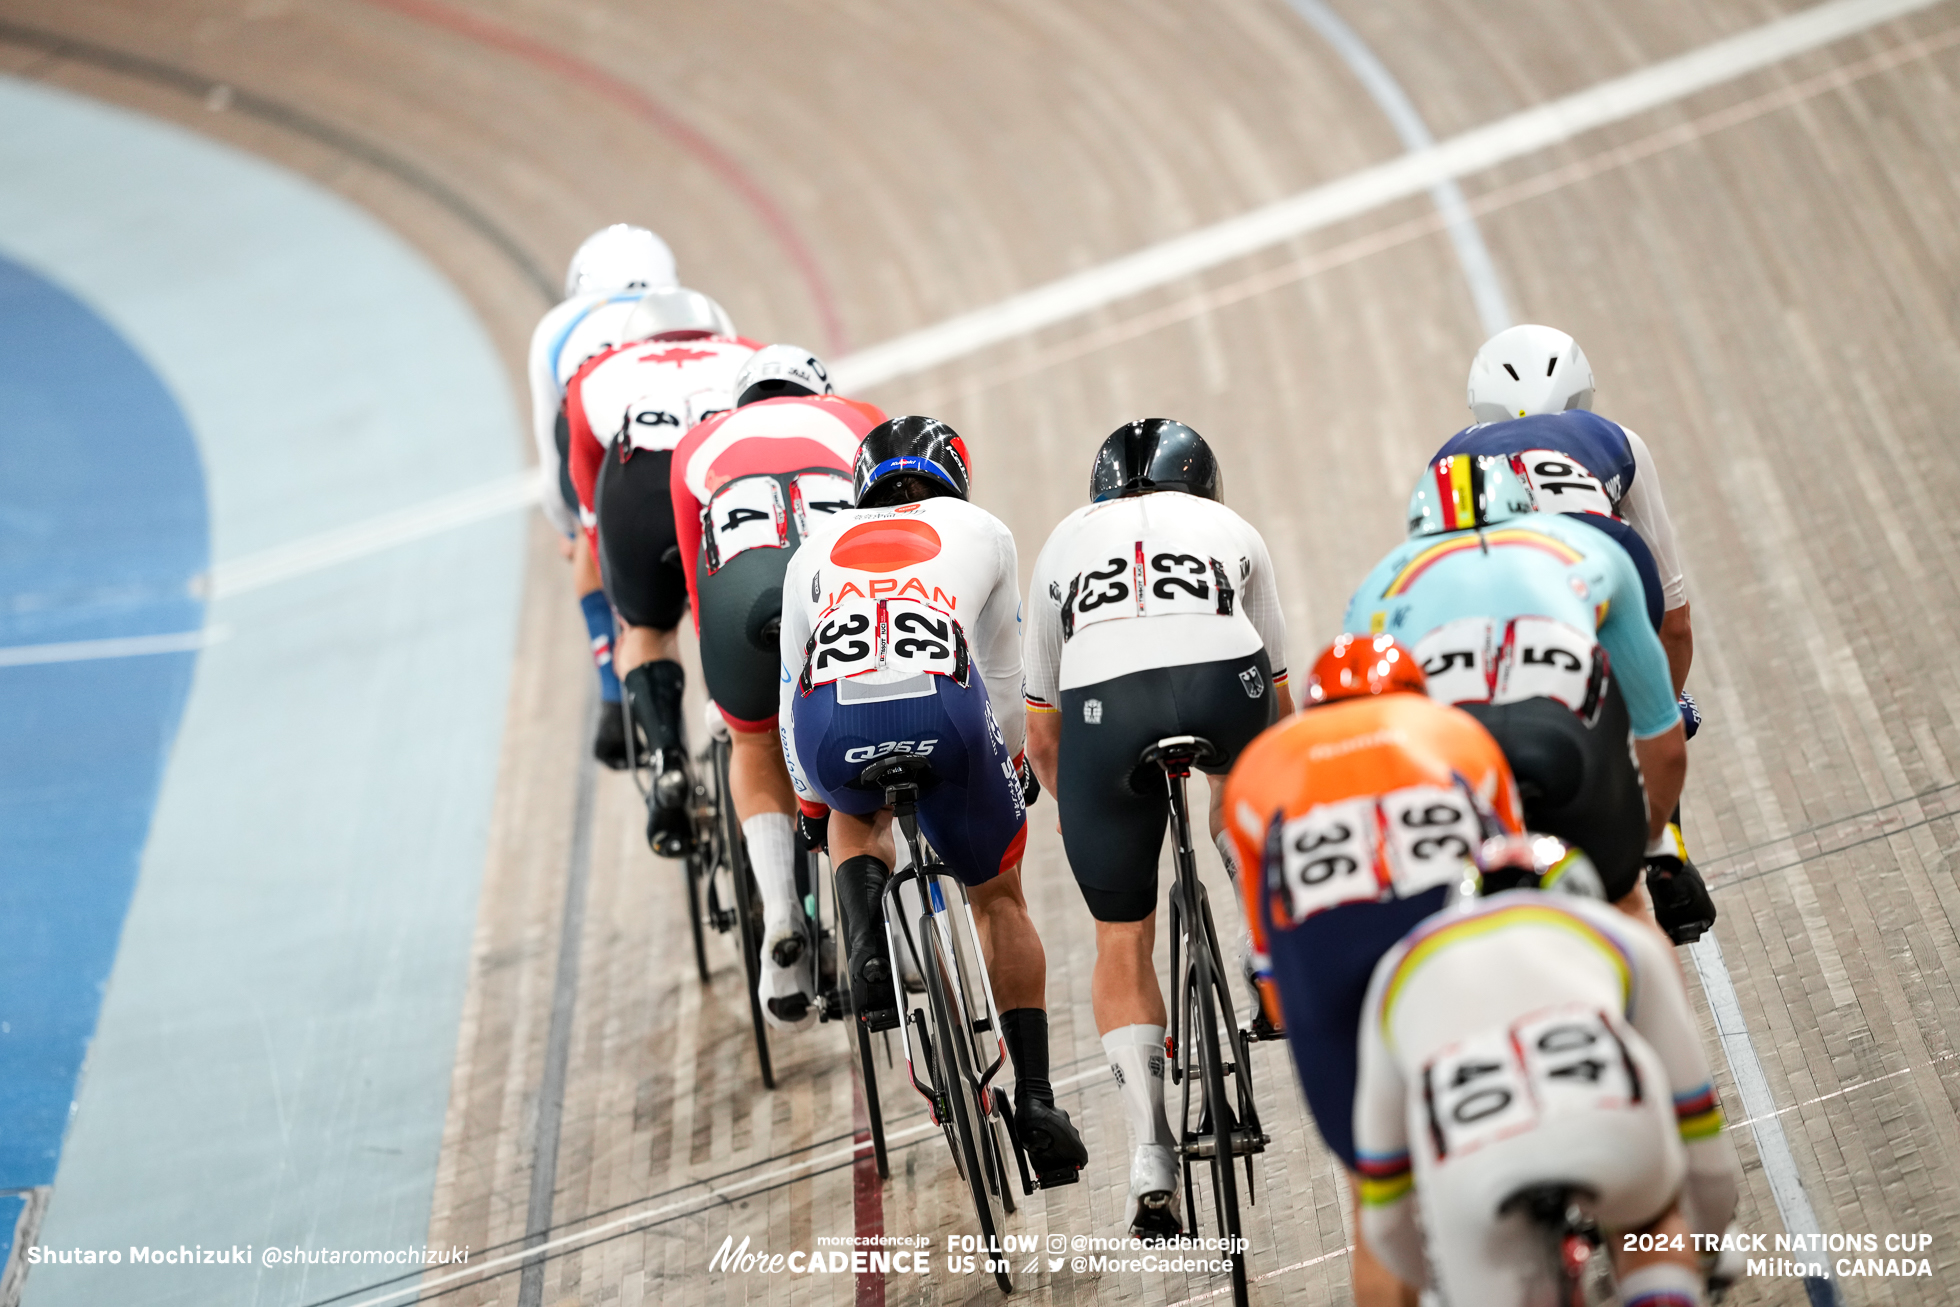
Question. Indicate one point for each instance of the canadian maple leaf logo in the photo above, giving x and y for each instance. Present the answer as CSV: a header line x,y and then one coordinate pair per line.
x,y
677,355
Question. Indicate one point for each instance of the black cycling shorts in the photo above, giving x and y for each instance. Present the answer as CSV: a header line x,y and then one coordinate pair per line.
x,y
1114,809
1579,783
639,554
740,615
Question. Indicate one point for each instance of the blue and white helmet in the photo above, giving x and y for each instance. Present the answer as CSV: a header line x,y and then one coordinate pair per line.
x,y
1529,369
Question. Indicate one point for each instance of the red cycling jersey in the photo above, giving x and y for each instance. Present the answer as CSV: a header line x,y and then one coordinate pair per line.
x,y
774,437
654,391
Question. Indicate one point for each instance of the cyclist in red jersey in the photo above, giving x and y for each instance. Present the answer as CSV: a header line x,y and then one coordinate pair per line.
x,y
748,486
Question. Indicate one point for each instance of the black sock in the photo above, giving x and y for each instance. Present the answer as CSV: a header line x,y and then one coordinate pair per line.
x,y
1026,1031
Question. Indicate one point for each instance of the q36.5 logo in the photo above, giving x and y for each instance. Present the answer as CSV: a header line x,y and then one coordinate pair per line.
x,y
866,753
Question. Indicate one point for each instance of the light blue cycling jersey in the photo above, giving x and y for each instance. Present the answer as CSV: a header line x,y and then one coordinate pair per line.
x,y
1538,566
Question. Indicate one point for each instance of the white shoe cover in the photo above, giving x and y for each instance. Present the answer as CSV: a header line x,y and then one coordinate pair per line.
x,y
782,982
1155,1196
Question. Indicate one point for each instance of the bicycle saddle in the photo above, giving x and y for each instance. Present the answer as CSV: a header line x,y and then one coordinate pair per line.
x,y
1180,750
895,770
1546,1203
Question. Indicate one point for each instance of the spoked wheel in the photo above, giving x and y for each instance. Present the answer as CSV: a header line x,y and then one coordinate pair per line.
x,y
698,868
971,1151
734,855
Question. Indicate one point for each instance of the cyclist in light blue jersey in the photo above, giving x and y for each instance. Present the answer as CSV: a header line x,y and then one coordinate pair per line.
x,y
1536,625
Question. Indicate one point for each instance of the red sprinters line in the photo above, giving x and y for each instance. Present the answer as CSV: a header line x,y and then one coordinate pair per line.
x,y
644,106
867,1194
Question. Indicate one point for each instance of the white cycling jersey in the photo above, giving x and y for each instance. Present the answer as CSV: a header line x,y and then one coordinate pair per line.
x,y
574,331
1194,569
1532,1038
867,594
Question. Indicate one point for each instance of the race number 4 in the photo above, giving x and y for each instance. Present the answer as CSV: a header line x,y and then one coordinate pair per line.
x,y
744,514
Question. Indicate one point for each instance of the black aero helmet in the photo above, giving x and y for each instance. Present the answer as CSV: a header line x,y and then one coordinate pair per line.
x,y
921,448
1155,454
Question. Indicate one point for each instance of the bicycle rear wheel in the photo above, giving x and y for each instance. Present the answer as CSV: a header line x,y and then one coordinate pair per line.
x,y
956,1061
748,907
1224,1172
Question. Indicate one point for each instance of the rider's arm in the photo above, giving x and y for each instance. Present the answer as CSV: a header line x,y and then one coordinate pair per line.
x,y
1262,605
1639,663
794,636
587,446
1385,1186
1041,671
687,517
546,399
996,641
1646,512
1660,1011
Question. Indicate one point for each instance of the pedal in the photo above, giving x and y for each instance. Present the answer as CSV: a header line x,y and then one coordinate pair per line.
x,y
877,1019
1056,1179
1263,1031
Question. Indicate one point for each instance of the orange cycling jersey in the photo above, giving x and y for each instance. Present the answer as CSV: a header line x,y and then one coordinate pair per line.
x,y
1361,800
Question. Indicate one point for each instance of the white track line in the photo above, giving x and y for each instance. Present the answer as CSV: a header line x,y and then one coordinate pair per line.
x,y
1411,174
344,544
1779,1166
1479,269
128,646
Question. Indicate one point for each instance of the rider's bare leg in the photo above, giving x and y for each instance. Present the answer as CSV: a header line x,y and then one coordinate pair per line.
x,y
639,645
1015,961
1374,1284
1123,990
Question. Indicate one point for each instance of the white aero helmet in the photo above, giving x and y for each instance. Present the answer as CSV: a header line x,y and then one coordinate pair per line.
x,y
1529,369
777,370
620,257
678,309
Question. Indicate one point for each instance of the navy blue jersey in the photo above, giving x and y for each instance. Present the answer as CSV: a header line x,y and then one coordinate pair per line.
x,y
1578,461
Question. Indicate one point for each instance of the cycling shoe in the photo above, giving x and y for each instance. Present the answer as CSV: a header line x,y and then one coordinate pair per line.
x,y
786,985
1054,1146
609,742
670,831
1153,1210
1682,904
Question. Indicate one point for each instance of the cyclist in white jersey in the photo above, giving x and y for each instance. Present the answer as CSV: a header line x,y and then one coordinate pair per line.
x,y
608,274
1534,1038
900,632
1152,613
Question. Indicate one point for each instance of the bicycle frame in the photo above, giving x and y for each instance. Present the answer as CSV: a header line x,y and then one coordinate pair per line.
x,y
950,915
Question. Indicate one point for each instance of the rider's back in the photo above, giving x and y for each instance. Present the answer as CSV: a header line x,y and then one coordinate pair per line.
x,y
1197,569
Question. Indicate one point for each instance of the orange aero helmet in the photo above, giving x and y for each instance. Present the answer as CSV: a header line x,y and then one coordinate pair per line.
x,y
1355,665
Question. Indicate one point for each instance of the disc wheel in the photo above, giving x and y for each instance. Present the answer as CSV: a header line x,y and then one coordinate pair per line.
x,y
734,855
957,1062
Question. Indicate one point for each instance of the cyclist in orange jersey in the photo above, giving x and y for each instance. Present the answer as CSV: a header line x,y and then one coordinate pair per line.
x,y
1355,817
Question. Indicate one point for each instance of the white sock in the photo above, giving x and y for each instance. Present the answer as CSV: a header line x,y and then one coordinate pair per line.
x,y
1228,853
1662,1284
1136,1059
772,852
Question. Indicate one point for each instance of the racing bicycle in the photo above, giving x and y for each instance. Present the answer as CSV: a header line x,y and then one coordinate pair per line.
x,y
946,1015
1207,1048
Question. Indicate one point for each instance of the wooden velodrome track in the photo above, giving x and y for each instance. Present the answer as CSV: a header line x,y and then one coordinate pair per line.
x,y
1770,294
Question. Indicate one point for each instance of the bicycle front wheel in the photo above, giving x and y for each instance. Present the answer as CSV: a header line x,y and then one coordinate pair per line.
x,y
1219,1115
956,1061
